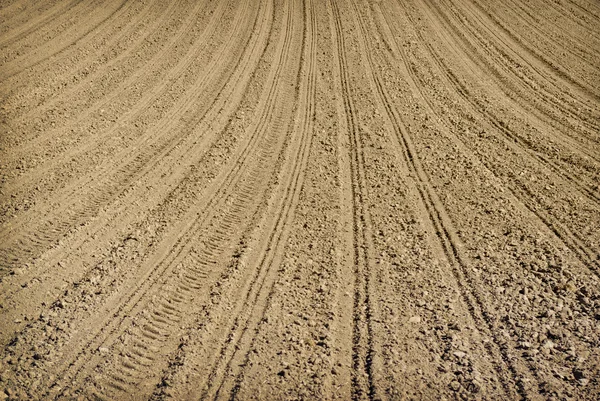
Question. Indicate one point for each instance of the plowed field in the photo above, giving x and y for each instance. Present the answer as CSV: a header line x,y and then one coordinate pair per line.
x,y
300,199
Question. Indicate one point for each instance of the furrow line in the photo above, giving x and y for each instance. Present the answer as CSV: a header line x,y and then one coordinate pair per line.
x,y
123,119
109,332
363,380
134,166
571,239
564,10
500,126
84,69
47,16
527,85
506,51
227,373
62,41
586,10
15,11
217,242
215,120
574,47
555,227
234,177
441,222
563,73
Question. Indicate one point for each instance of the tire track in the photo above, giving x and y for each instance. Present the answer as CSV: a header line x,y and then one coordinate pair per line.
x,y
473,284
143,98
512,62
216,119
32,25
580,19
246,187
529,200
439,219
564,40
586,10
120,119
77,64
237,204
585,88
363,350
11,12
227,372
60,42
513,67
133,162
585,188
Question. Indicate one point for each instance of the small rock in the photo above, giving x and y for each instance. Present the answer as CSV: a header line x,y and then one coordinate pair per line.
x,y
548,345
460,354
554,333
103,350
455,385
415,319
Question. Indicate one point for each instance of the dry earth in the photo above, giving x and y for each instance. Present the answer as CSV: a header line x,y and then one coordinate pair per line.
x,y
300,199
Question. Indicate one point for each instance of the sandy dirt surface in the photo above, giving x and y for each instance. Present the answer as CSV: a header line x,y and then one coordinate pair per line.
x,y
300,199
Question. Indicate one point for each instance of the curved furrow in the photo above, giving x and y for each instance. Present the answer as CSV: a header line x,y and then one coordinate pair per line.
x,y
571,73
572,238
62,40
511,74
108,113
586,148
26,25
244,180
439,218
584,38
364,353
518,18
217,119
587,9
77,66
563,11
131,163
532,209
12,10
570,96
549,71
227,373
417,84
105,115
299,199
228,212
524,85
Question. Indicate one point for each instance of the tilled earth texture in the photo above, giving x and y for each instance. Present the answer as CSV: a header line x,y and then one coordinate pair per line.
x,y
299,199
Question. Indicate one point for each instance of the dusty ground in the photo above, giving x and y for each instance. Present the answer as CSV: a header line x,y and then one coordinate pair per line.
x,y
300,199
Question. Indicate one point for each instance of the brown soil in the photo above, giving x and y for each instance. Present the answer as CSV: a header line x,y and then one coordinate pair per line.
x,y
300,199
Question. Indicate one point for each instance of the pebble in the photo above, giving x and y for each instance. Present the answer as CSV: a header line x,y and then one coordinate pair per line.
x,y
460,354
455,385
103,350
415,319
